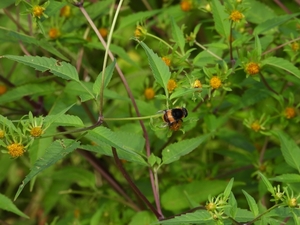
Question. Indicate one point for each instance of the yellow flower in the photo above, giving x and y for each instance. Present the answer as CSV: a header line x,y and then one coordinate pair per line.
x,y
3,89
149,93
236,16
295,46
16,149
171,85
38,11
186,5
290,112
36,131
103,31
252,68
166,60
255,126
140,31
65,11
292,202
197,84
54,33
2,133
215,82
211,206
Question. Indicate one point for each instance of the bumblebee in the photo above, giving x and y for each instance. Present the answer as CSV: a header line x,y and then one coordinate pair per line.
x,y
173,117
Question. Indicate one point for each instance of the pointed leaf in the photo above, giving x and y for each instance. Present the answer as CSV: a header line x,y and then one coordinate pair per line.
x,y
56,151
159,69
287,178
282,64
257,46
271,23
19,92
107,77
267,183
131,143
222,23
289,149
252,204
58,68
174,151
177,35
228,188
69,120
8,205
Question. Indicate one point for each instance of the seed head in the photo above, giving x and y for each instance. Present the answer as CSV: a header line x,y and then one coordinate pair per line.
x,y
149,93
290,112
38,11
15,149
215,82
171,85
236,16
252,68
255,126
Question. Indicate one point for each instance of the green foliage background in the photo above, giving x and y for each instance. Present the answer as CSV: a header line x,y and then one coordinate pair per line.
x,y
106,156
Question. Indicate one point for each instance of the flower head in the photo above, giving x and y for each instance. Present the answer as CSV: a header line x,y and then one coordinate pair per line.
x,y
215,82
2,133
149,93
171,85
186,5
290,112
3,89
16,149
255,126
65,11
197,84
103,31
236,16
38,11
295,46
54,33
36,131
140,32
252,68
166,60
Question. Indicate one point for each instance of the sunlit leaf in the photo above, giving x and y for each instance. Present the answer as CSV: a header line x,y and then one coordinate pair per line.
x,y
222,23
282,64
252,204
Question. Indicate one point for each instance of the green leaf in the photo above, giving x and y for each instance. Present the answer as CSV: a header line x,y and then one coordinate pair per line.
x,y
174,151
133,18
6,3
258,12
130,143
257,45
267,183
77,87
68,120
296,218
142,218
159,69
287,178
58,68
19,92
252,204
55,152
273,22
107,77
174,198
232,211
7,123
8,205
282,64
177,35
289,149
198,217
228,188
222,23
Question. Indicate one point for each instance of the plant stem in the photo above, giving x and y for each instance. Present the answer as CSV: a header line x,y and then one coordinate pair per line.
x,y
132,118
205,49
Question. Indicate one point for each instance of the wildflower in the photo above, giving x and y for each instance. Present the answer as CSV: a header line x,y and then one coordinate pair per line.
x,y
171,85
255,126
36,131
166,60
197,84
149,93
2,133
15,149
186,5
215,82
3,89
103,31
65,11
54,33
292,202
208,7
290,112
38,11
252,68
211,206
236,16
140,31
295,46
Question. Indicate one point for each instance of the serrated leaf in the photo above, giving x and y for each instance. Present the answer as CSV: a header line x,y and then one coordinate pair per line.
x,y
252,204
177,35
142,218
8,205
56,151
130,143
68,120
19,92
289,149
287,178
7,123
282,64
174,151
107,77
271,23
58,68
221,21
159,69
198,217
76,87
267,183
258,12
